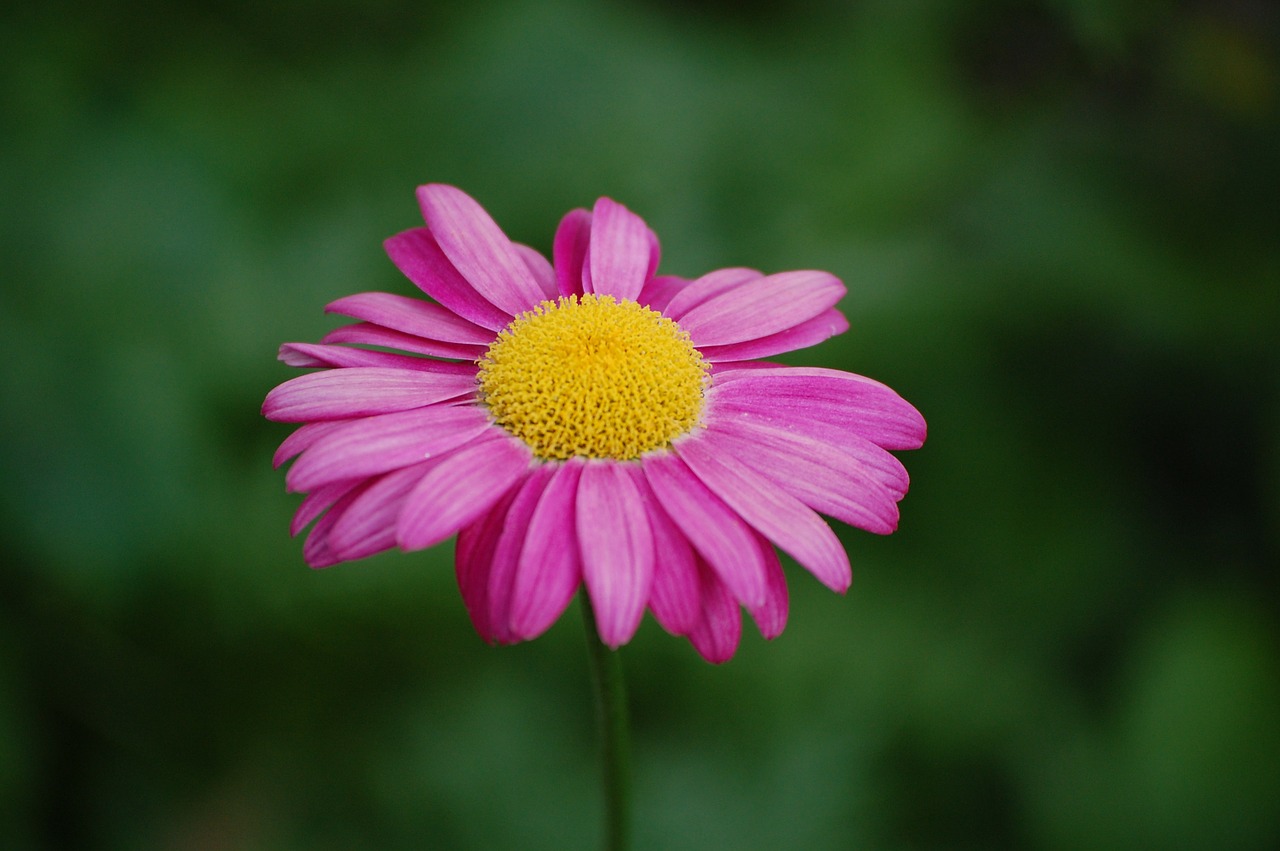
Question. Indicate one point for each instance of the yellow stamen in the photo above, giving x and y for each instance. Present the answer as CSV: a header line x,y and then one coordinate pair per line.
x,y
593,376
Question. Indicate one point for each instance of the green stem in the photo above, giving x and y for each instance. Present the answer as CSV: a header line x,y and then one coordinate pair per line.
x,y
615,750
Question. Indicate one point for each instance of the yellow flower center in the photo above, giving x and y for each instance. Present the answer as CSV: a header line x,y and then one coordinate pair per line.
x,y
593,376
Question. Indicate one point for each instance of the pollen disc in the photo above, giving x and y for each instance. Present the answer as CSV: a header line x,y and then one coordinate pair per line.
x,y
593,376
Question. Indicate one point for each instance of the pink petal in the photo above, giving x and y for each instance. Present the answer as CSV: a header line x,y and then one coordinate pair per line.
x,y
540,268
771,618
782,518
708,287
302,438
478,248
883,467
460,487
655,253
416,253
831,430
586,286
473,562
317,355
616,546
817,474
314,503
719,627
620,251
570,250
730,369
715,531
316,550
657,294
825,325
675,599
412,316
827,395
373,445
368,525
550,568
506,556
360,392
367,334
763,307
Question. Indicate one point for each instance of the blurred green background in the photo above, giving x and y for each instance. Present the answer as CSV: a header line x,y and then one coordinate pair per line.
x,y
1059,223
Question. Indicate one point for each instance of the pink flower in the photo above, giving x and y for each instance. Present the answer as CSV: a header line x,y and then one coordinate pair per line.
x,y
589,422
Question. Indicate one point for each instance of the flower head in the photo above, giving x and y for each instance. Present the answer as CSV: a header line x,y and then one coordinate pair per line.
x,y
589,422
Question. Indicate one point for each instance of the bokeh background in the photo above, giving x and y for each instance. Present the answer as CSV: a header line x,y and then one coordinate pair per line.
x,y
1059,222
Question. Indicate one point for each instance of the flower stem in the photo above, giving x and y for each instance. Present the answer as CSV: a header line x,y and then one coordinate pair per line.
x,y
615,743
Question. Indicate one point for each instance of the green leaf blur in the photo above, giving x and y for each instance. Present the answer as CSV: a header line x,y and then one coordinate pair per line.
x,y
1059,223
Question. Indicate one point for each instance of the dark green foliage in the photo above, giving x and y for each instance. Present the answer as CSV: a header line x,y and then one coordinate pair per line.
x,y
1058,224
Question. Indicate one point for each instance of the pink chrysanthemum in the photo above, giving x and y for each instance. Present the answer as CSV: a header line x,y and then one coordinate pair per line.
x,y
590,422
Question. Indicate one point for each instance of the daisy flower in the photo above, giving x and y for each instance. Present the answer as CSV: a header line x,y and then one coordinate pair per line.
x,y
588,421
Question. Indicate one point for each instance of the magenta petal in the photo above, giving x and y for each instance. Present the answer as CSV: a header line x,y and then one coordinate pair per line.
x,y
374,445
368,334
841,399
314,503
416,253
309,355
771,618
836,427
817,474
620,251
655,253
360,392
719,627
506,556
303,437
586,286
708,287
412,316
478,248
676,597
878,463
808,333
872,409
473,562
459,488
760,308
368,525
732,369
715,531
617,548
550,569
779,516
570,251
659,291
316,550
540,268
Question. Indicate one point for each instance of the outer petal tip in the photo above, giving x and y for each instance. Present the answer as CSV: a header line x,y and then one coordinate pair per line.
x,y
616,543
429,192
478,249
620,258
